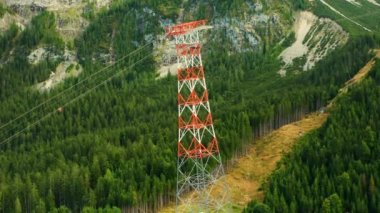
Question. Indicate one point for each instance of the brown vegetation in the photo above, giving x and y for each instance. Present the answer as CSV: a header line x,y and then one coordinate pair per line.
x,y
251,170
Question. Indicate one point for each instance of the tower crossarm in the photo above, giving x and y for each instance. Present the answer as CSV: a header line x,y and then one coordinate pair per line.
x,y
184,28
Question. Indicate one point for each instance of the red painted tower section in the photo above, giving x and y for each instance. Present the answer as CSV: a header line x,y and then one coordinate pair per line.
x,y
199,163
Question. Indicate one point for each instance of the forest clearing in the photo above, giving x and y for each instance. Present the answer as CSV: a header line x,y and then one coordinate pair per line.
x,y
250,171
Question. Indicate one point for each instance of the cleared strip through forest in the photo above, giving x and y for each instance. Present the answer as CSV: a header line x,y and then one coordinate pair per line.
x,y
251,170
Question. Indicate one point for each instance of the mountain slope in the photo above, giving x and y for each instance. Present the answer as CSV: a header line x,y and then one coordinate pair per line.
x,y
358,19
116,145
337,167
261,159
248,172
315,39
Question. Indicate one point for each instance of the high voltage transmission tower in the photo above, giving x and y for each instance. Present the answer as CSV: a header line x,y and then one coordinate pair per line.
x,y
200,187
200,174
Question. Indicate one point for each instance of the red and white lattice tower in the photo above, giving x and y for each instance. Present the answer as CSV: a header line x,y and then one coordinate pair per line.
x,y
199,166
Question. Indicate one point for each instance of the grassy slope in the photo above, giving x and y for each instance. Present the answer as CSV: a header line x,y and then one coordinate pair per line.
x,y
367,15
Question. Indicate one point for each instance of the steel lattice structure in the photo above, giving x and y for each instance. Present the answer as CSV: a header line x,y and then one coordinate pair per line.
x,y
199,163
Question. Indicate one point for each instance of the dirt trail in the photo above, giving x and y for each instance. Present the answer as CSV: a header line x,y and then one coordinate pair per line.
x,y
251,170
358,77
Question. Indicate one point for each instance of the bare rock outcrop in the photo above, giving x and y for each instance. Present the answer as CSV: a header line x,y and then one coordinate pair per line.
x,y
314,39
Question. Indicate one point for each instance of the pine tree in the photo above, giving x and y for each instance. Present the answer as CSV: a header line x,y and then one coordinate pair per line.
x,y
18,208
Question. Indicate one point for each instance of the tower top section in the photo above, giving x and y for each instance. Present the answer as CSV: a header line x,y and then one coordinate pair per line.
x,y
184,28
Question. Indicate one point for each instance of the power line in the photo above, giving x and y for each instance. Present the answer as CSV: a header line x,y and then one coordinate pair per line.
x,y
358,16
95,75
55,101
76,84
71,101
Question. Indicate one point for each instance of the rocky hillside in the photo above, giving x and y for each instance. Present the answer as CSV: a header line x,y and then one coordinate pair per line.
x,y
71,18
307,38
70,14
314,39
258,25
255,25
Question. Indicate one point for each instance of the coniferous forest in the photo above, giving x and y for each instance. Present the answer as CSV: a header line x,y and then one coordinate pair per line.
x,y
115,148
336,168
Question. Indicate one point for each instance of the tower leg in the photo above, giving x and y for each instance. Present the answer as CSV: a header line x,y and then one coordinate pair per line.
x,y
201,185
